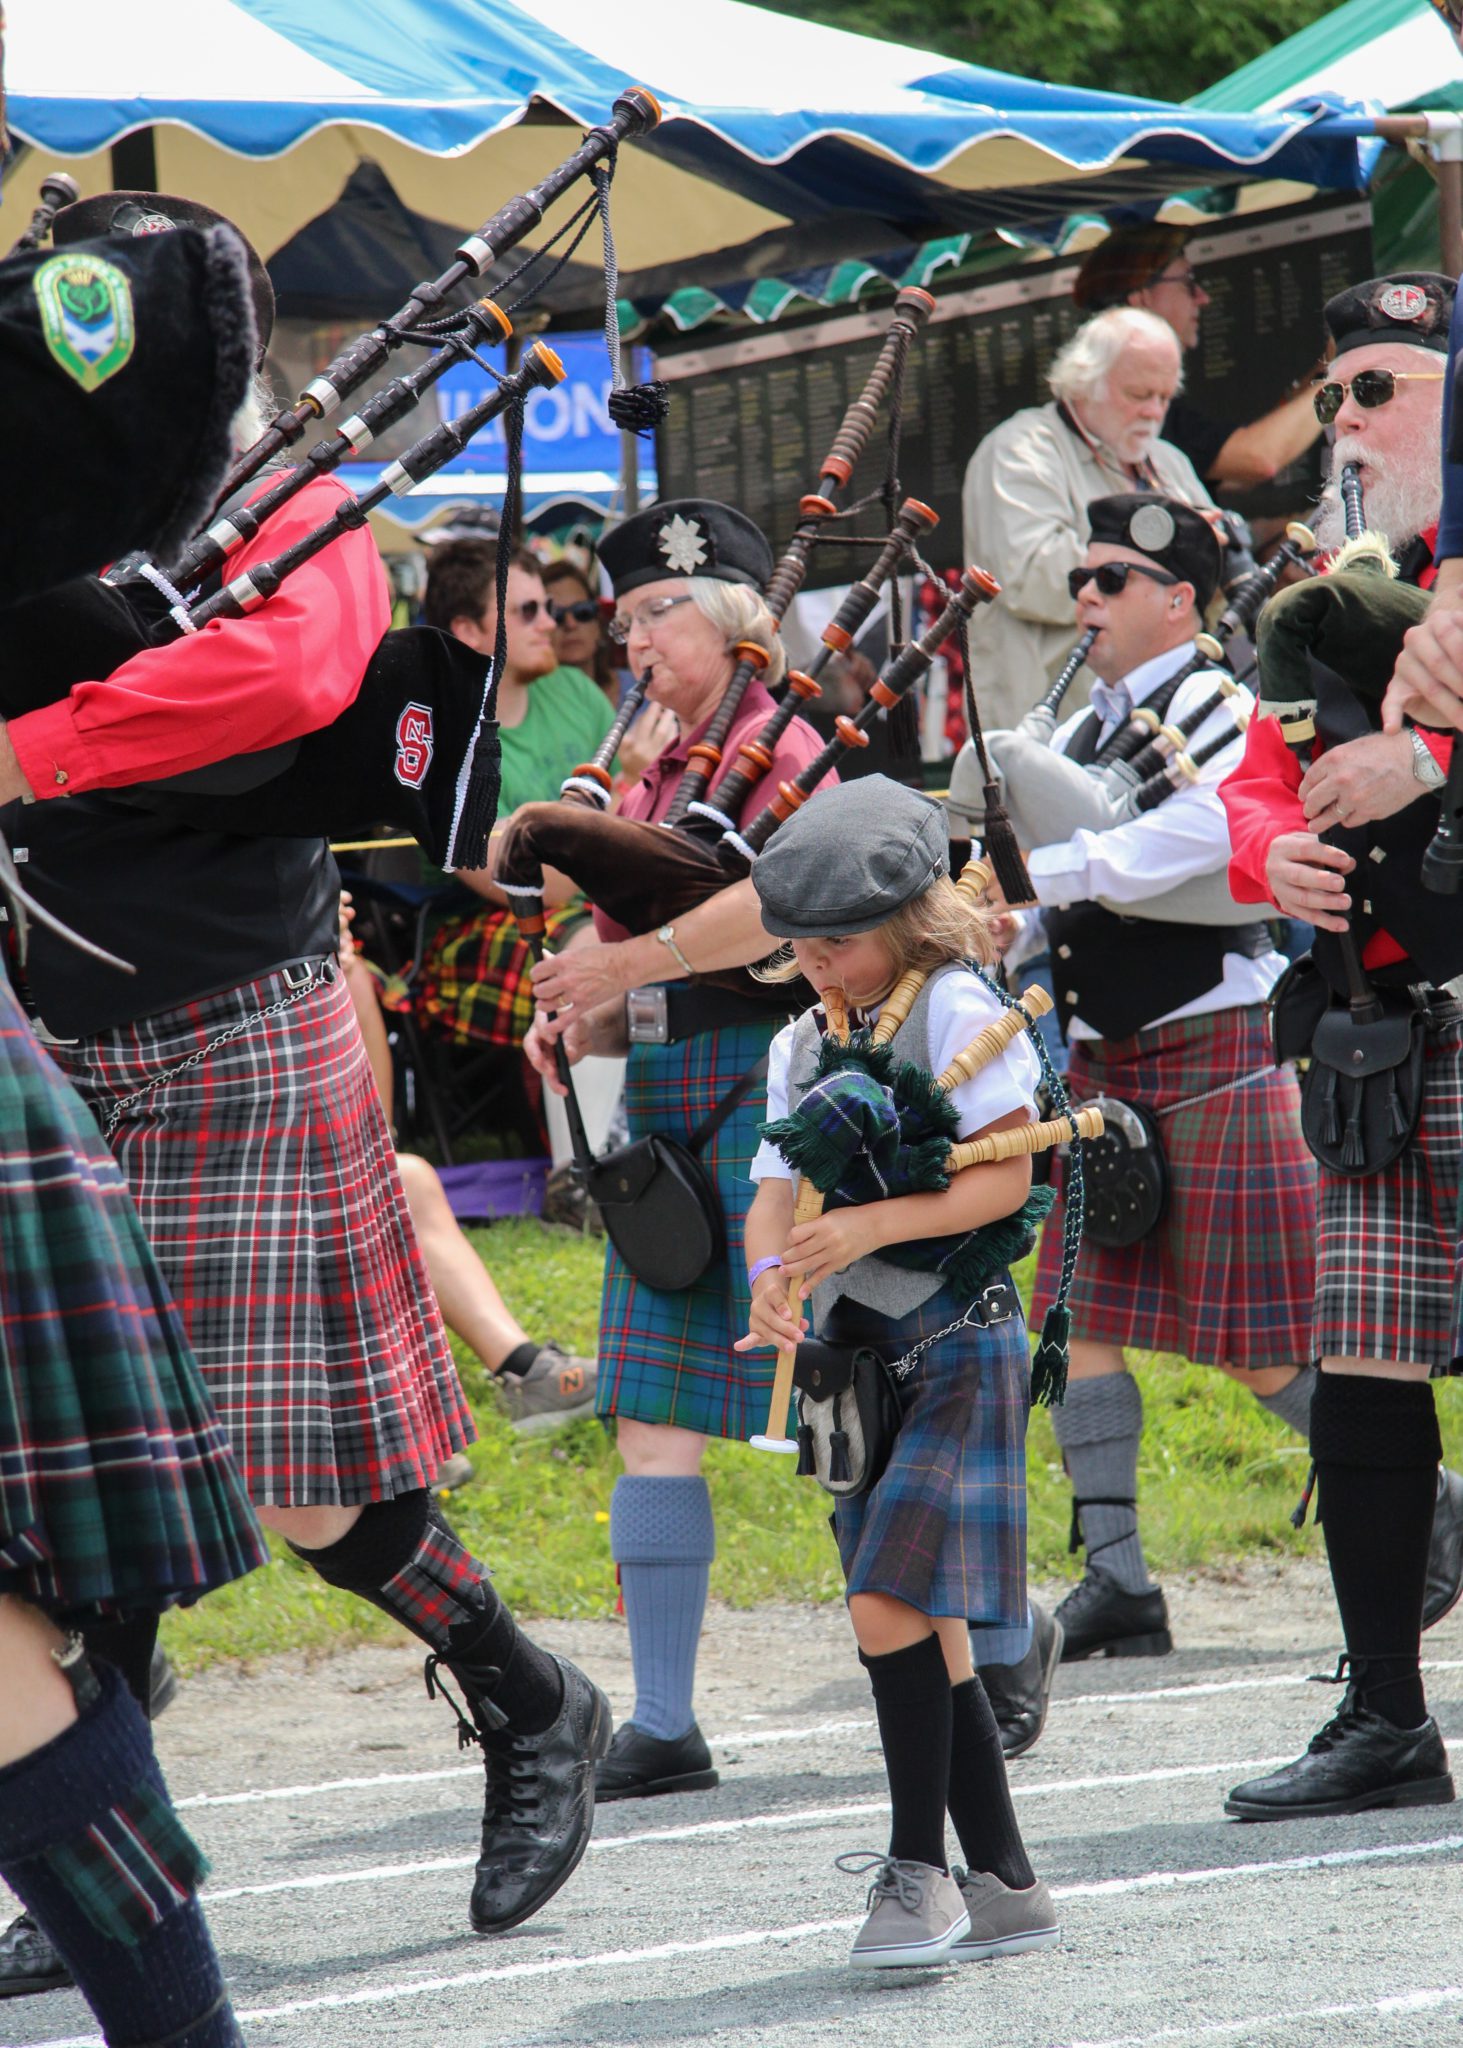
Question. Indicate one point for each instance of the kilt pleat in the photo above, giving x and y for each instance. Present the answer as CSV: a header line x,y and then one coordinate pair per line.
x,y
118,1490
944,1529
266,1180
1228,1276
667,1357
1387,1263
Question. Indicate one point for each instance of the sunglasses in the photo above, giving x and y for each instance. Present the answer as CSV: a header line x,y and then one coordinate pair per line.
x,y
581,613
530,608
1111,578
1370,388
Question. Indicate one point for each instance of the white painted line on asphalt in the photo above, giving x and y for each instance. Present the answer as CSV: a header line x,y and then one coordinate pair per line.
x,y
553,1966
261,1793
1403,2003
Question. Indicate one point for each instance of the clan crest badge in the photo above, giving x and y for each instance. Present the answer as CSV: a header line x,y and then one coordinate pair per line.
x,y
86,316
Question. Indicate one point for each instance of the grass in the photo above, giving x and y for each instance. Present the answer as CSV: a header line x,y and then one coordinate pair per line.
x,y
1218,1479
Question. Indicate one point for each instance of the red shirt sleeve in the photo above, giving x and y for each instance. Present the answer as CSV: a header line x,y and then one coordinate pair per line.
x,y
237,686
1261,800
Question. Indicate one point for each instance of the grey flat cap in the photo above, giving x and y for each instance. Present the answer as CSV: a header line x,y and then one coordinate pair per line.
x,y
849,859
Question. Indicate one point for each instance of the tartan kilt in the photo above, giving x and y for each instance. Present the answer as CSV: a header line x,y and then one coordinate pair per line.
x,y
1228,1276
668,1357
118,1491
473,987
266,1181
1387,1256
944,1529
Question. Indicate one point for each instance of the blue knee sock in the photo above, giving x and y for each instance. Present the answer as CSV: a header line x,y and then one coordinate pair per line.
x,y
662,1538
90,1844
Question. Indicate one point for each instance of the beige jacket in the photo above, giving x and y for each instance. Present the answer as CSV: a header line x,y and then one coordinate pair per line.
x,y
1027,490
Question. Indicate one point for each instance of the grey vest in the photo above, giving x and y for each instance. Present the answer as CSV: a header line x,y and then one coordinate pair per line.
x,y
873,1282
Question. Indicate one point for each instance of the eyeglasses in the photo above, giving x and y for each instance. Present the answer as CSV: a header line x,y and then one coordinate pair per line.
x,y
1111,578
581,613
1370,388
1188,279
647,618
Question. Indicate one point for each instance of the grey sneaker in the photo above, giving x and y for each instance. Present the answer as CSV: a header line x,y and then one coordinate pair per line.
x,y
1003,1922
916,1913
556,1388
454,1472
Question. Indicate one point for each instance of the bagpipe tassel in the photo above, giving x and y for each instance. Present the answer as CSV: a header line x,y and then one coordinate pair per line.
x,y
999,843
1049,1367
639,408
807,1468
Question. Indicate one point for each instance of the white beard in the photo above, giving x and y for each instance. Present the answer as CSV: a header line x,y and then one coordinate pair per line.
x,y
1404,488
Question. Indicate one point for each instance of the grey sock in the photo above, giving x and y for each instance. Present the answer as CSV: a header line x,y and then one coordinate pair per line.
x,y
1293,1403
1099,1429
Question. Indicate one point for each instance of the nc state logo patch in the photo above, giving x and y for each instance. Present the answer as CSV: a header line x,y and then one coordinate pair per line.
x,y
414,736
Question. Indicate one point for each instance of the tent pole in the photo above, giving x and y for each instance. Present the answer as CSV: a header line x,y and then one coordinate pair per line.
x,y
1443,130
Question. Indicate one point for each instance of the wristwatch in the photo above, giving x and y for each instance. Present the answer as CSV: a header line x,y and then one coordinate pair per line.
x,y
667,937
1424,767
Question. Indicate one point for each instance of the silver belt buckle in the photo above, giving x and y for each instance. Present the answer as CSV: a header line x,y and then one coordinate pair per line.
x,y
995,1300
299,974
647,1018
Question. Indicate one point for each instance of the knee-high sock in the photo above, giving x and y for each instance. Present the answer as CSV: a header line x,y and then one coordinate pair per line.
x,y
663,1539
912,1702
91,1845
1099,1428
1293,1403
980,1795
405,1558
1377,1448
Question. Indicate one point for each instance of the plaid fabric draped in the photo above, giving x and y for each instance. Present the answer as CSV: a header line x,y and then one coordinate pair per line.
x,y
945,1528
473,987
117,1486
1228,1277
1388,1271
266,1181
668,1357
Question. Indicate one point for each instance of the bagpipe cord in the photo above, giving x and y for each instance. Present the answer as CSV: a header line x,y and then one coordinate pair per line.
x,y
634,408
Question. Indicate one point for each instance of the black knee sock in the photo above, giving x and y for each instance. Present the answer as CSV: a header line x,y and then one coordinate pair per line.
x,y
404,1557
1377,1448
91,1845
980,1797
129,1644
912,1702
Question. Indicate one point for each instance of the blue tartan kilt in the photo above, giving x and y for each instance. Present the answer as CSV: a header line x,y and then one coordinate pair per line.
x,y
668,1357
944,1530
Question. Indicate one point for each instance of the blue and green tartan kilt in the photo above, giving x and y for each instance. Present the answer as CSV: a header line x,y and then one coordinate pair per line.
x,y
668,1357
118,1490
944,1529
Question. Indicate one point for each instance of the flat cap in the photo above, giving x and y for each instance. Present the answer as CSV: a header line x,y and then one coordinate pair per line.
x,y
1164,530
128,216
1414,307
849,859
1128,260
686,537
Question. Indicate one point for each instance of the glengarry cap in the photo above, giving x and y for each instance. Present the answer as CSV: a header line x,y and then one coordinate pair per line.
x,y
849,859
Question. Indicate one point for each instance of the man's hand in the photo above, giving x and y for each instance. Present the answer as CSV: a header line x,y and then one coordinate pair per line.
x,y
825,1246
1427,683
1361,781
587,973
1304,878
543,1035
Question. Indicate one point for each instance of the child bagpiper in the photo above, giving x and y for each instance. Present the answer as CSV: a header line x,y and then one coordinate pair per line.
x,y
857,881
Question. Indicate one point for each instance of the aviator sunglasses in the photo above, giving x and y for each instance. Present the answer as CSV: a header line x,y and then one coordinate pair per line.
x,y
1370,388
1111,578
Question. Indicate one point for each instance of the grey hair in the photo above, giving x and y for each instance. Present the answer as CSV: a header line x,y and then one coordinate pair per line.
x,y
257,408
1085,361
739,613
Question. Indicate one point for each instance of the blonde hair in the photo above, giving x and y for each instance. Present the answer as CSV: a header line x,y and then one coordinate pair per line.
x,y
739,613
932,930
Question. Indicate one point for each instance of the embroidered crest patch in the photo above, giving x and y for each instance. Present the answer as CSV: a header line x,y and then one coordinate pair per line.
x,y
1402,302
414,739
86,316
683,544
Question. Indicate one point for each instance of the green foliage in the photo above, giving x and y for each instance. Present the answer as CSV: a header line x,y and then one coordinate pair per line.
x,y
1218,1479
1150,47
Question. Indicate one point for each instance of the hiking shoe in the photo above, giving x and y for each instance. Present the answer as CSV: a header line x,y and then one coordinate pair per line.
x,y
916,1913
1021,1694
28,1963
1101,1618
1357,1761
454,1472
638,1765
1003,1922
1445,1551
556,1388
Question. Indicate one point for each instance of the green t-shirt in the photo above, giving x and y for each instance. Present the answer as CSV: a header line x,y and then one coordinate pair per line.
x,y
567,717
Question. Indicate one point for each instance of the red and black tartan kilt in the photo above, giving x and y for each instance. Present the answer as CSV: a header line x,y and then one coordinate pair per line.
x,y
1388,1275
1228,1276
266,1179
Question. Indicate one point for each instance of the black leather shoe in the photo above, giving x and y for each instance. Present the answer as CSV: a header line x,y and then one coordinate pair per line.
x,y
1101,1618
540,1806
1445,1551
639,1764
1020,1694
1357,1761
28,1962
162,1683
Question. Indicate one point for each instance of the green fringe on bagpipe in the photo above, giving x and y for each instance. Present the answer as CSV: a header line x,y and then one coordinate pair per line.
x,y
967,1261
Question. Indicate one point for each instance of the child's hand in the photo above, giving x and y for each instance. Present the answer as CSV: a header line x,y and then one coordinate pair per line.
x,y
772,1319
824,1247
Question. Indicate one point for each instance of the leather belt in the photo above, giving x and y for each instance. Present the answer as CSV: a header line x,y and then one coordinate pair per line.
x,y
666,1013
